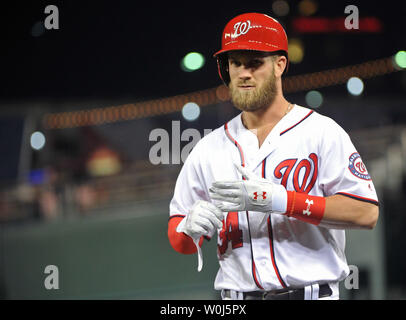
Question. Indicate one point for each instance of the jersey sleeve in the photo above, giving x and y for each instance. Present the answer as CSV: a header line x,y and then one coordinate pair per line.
x,y
342,170
189,188
190,185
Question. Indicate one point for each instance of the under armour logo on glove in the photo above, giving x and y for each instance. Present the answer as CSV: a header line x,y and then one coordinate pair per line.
x,y
263,195
254,193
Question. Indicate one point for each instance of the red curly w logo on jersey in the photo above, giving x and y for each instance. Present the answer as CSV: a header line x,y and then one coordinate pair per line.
x,y
304,181
263,195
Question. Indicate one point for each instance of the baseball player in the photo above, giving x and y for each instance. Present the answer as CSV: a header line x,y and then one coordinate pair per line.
x,y
279,182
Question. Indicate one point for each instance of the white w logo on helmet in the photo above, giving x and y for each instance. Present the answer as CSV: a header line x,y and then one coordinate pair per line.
x,y
241,28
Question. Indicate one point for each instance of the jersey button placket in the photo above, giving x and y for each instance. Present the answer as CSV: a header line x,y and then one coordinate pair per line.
x,y
260,249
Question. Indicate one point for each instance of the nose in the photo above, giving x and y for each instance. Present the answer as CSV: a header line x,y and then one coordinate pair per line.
x,y
244,73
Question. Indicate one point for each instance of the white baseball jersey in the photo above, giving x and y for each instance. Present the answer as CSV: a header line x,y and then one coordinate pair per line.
x,y
305,152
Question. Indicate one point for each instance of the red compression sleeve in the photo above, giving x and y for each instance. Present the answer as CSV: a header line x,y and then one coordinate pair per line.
x,y
305,207
180,241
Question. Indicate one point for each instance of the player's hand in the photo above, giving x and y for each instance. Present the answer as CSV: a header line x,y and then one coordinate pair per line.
x,y
203,220
253,194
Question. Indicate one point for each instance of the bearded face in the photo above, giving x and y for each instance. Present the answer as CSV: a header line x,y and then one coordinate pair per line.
x,y
253,82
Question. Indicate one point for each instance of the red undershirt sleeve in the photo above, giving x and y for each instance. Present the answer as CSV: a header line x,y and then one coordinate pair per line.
x,y
179,241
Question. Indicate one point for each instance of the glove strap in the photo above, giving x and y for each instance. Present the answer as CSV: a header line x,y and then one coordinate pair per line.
x,y
305,207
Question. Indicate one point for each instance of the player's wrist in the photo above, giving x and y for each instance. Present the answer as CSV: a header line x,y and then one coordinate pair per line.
x,y
179,240
185,228
279,199
202,220
181,226
305,207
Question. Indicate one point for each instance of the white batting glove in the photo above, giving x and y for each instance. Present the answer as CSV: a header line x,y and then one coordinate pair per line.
x,y
203,220
253,194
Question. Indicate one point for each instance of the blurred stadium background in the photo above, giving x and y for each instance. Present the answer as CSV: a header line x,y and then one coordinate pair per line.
x,y
79,107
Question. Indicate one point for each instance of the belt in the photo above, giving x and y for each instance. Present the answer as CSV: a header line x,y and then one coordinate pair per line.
x,y
284,294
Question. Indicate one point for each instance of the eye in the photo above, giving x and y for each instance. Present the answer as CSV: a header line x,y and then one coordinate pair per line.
x,y
256,63
235,62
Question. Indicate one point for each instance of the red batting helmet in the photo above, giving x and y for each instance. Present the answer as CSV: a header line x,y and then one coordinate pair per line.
x,y
250,31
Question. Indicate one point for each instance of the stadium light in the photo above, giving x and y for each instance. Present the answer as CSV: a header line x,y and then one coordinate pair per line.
x,y
191,111
280,8
192,61
37,140
314,99
355,86
400,60
295,50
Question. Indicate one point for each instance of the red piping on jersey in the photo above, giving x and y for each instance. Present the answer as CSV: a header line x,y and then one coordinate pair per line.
x,y
263,168
353,196
275,267
235,143
283,284
283,132
254,275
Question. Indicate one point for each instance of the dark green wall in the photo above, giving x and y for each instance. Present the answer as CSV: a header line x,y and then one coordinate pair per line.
x,y
122,255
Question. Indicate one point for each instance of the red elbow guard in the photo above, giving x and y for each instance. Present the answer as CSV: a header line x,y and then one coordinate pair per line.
x,y
305,207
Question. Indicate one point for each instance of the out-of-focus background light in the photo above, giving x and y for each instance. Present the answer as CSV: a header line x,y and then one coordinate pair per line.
x,y
280,8
192,61
307,7
37,140
355,86
191,111
103,162
400,60
295,50
38,29
314,99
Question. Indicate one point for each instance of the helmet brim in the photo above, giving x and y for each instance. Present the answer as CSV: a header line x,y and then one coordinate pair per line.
x,y
248,45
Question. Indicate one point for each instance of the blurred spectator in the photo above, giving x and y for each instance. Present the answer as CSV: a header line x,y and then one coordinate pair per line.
x,y
48,204
86,198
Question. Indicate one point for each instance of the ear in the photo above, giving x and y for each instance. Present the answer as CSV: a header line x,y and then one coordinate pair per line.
x,y
280,65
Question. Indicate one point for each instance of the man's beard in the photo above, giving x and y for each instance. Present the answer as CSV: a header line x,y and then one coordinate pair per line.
x,y
256,99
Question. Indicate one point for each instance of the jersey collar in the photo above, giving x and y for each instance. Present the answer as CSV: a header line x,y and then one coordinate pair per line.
x,y
236,131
